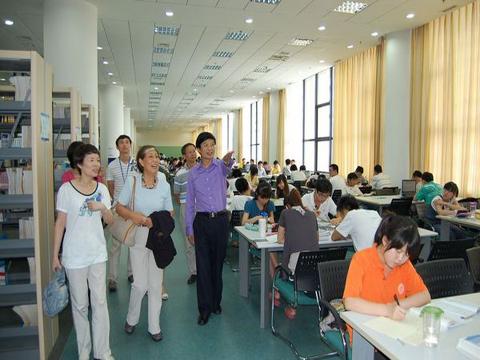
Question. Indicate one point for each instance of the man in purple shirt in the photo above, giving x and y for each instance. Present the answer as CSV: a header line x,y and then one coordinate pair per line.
x,y
206,223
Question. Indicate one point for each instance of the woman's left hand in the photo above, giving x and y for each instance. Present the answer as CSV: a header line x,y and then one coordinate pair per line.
x,y
95,206
148,223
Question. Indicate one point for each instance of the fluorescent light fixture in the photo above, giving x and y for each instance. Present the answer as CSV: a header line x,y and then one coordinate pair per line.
x,y
350,46
249,20
221,53
169,13
322,61
9,22
300,42
162,50
160,64
350,7
155,88
410,16
374,34
99,48
212,67
2,79
205,77
260,92
269,88
157,75
268,2
166,30
247,80
237,35
105,62
321,28
232,91
262,69
114,82
110,74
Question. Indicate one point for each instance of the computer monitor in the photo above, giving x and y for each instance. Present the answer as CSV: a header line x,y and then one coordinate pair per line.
x,y
409,188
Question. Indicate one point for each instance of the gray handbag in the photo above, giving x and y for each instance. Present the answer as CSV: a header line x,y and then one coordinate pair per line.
x,y
55,295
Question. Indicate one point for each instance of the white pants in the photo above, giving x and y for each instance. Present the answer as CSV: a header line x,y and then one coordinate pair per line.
x,y
80,280
114,256
146,277
189,248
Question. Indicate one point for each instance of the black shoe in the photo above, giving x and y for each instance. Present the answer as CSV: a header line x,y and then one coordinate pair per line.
x,y
130,278
202,319
157,337
218,310
192,279
129,329
112,286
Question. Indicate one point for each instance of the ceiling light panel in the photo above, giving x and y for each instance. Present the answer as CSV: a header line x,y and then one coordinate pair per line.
x,y
351,7
166,30
161,64
262,69
268,2
212,67
224,54
162,50
237,35
300,42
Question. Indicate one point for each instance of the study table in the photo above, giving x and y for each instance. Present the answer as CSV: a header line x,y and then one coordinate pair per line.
x,y
250,237
366,339
377,202
469,222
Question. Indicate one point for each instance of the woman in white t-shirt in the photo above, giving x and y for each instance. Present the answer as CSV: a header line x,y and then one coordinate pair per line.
x,y
152,193
81,204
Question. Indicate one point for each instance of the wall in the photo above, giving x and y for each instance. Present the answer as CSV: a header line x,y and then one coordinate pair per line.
x,y
397,106
165,139
273,127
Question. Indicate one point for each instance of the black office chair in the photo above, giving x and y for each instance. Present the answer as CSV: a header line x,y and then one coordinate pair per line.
x,y
451,249
277,212
332,276
298,184
447,277
473,255
401,206
337,194
304,287
420,218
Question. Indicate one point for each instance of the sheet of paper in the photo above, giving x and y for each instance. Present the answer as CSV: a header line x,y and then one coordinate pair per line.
x,y
408,331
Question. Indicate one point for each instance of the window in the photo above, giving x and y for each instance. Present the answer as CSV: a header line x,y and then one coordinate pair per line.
x,y
293,122
317,121
227,132
246,133
256,110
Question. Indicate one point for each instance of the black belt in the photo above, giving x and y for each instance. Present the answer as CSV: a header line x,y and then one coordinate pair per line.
x,y
212,214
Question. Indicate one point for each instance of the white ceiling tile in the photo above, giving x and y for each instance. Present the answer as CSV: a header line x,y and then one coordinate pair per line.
x,y
233,4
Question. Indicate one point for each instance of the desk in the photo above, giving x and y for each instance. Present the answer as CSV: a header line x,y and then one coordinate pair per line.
x,y
377,202
277,202
447,220
247,237
366,339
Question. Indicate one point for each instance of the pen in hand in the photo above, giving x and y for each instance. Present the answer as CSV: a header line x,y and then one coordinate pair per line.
x,y
395,297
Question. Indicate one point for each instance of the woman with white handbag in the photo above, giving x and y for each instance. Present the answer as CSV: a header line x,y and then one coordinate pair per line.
x,y
81,205
151,193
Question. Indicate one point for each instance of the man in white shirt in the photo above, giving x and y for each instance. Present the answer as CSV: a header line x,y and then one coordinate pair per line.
x,y
286,169
359,224
117,173
352,185
261,170
238,201
320,201
297,175
417,176
380,180
338,182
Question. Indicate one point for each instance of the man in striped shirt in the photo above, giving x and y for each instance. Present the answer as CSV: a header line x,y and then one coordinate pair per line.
x,y
180,190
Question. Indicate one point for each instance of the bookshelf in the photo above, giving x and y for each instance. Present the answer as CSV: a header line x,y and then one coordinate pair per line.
x,y
16,340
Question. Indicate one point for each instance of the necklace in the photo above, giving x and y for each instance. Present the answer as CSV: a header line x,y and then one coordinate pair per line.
x,y
153,186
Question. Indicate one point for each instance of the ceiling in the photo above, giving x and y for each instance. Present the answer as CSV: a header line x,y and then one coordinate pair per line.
x,y
188,71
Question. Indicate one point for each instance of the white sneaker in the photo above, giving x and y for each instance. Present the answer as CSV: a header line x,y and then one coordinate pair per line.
x,y
165,296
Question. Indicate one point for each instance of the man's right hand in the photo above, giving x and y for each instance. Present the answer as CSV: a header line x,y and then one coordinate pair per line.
x,y
56,264
191,239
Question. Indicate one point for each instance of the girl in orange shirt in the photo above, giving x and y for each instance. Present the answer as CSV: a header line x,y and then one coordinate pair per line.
x,y
381,280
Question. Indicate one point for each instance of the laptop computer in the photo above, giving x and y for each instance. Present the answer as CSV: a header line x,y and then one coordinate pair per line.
x,y
409,188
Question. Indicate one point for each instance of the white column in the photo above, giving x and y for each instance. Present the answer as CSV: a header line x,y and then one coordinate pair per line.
x,y
397,106
70,46
273,130
134,136
127,122
110,119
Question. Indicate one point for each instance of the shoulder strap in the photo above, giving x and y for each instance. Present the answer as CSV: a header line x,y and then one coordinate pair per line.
x,y
132,198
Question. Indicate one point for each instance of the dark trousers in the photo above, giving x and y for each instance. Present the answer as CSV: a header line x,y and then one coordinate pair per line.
x,y
211,236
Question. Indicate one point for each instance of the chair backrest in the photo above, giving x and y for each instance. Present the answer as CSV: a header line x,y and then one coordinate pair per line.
x,y
298,184
332,276
277,213
306,271
401,206
421,209
447,277
451,249
236,219
337,194
473,255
